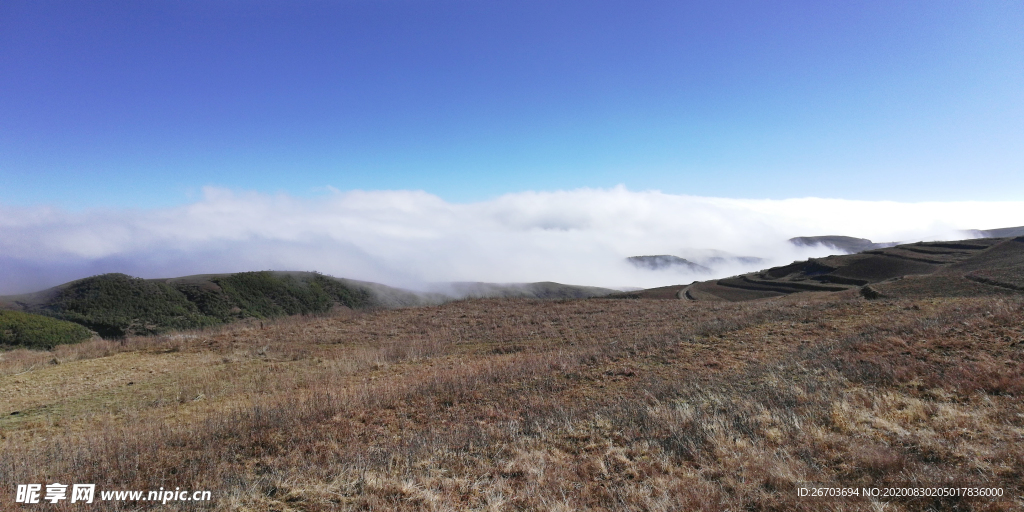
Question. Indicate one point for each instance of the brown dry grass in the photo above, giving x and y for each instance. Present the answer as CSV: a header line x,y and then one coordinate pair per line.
x,y
534,405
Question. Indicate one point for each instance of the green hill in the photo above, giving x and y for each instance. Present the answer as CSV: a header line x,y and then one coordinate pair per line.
x,y
116,305
270,294
26,330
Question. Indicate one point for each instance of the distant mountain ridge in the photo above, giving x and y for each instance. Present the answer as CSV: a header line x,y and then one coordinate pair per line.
x,y
540,290
997,233
854,245
666,261
699,262
847,244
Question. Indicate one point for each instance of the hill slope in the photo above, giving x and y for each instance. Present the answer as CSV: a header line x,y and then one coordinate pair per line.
x,y
987,266
116,305
25,330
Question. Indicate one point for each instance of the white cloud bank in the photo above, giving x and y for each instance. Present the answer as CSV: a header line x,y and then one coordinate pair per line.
x,y
409,238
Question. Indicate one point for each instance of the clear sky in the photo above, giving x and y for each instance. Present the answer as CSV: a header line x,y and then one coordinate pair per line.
x,y
130,104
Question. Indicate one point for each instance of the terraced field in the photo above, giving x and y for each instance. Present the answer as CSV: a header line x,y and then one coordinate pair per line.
x,y
991,266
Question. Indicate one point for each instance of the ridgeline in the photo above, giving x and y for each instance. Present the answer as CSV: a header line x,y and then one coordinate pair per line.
x,y
117,305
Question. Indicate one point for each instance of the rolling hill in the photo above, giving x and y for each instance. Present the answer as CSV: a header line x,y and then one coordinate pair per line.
x,y
117,305
985,266
26,330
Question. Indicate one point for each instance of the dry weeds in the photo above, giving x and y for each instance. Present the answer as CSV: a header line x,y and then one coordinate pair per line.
x,y
534,405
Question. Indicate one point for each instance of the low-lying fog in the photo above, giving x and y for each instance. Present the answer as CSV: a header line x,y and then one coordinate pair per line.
x,y
412,239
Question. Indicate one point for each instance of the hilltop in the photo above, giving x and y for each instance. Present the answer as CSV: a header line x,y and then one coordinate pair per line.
x,y
706,261
847,244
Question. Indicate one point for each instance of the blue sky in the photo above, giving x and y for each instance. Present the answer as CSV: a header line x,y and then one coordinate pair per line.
x,y
141,104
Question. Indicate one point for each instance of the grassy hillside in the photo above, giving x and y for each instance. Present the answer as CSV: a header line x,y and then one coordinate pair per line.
x,y
511,405
18,329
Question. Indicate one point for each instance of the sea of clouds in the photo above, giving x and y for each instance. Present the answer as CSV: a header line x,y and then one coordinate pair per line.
x,y
412,239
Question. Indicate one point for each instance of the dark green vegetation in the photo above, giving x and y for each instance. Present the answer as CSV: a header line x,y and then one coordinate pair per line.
x,y
36,331
116,305
269,295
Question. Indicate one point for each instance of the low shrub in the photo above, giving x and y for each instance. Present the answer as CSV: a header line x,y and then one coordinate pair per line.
x,y
36,331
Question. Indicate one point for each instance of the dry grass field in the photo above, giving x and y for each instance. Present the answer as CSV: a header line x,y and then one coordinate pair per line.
x,y
517,404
